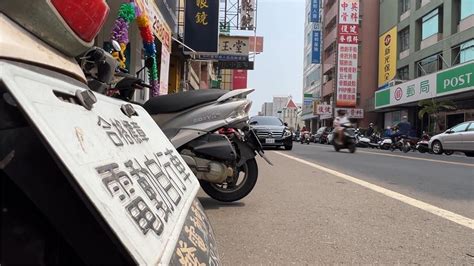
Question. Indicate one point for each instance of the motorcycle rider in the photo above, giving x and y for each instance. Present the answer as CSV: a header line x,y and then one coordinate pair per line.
x,y
404,128
370,130
339,120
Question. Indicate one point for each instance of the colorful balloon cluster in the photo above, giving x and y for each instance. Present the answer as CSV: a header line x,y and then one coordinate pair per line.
x,y
127,13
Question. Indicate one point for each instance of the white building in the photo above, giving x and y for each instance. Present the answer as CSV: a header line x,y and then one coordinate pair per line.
x,y
267,109
279,103
311,72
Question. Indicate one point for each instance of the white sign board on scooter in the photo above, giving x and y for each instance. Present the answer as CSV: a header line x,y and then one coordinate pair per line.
x,y
125,166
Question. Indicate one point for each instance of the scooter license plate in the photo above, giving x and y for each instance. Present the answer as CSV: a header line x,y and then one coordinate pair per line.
x,y
125,166
270,141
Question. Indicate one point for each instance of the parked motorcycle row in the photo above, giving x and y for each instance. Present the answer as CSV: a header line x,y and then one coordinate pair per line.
x,y
325,135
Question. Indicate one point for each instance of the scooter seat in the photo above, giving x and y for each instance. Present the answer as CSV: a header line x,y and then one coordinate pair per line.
x,y
177,102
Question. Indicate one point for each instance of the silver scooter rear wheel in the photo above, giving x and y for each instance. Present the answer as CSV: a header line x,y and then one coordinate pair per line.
x,y
236,187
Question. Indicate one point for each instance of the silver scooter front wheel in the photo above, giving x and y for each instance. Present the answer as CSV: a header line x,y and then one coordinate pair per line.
x,y
236,187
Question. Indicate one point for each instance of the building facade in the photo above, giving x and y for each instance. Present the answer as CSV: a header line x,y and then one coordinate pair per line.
x,y
267,109
311,70
432,59
366,69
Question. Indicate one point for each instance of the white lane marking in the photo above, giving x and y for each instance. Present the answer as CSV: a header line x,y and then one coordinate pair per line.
x,y
451,216
410,157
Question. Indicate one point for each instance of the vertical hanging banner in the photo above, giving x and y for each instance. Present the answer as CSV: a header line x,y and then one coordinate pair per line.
x,y
316,49
165,70
314,11
201,27
247,14
387,56
347,56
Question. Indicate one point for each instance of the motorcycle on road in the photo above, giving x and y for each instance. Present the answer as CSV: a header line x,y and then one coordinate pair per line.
x,y
348,140
305,137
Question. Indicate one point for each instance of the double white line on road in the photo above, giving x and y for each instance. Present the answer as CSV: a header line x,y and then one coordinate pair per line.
x,y
451,216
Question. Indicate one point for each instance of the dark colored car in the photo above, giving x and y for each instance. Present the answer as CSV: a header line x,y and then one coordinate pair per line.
x,y
321,135
272,132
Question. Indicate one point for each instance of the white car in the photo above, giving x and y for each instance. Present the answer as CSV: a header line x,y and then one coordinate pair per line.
x,y
457,138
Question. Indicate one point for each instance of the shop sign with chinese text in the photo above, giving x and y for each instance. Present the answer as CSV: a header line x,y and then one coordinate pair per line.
x,y
314,11
347,75
387,56
347,56
160,28
324,110
234,45
451,81
249,65
201,28
316,49
247,14
355,113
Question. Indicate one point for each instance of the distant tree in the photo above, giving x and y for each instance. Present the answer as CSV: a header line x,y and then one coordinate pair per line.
x,y
432,108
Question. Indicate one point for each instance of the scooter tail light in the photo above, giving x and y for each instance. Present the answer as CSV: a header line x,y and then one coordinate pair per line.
x,y
84,17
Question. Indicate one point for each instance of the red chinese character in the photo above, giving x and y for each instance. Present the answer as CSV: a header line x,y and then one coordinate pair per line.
x,y
342,39
344,5
344,16
354,16
352,29
354,7
356,40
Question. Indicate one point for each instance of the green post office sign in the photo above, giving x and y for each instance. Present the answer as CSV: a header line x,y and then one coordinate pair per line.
x,y
455,79
450,81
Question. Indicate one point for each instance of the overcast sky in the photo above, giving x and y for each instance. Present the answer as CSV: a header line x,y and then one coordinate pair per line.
x,y
279,69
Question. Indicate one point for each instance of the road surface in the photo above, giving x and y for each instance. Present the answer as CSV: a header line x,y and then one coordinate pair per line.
x,y
316,206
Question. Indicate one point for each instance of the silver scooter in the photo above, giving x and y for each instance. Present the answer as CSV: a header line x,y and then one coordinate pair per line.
x,y
210,130
208,127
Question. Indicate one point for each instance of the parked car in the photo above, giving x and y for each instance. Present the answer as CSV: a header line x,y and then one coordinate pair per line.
x,y
322,134
272,132
458,138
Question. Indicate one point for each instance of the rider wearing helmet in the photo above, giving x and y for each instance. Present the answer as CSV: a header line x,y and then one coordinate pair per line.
x,y
339,120
370,130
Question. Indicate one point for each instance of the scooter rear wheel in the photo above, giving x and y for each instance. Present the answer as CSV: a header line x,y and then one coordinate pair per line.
x,y
229,192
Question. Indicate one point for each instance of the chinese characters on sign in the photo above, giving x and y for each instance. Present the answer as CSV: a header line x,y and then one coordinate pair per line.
x,y
249,65
122,132
348,34
201,19
349,12
353,112
201,15
316,52
234,45
387,56
324,111
348,49
247,14
347,75
314,11
196,244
